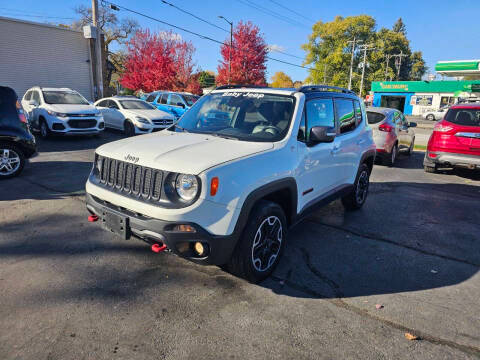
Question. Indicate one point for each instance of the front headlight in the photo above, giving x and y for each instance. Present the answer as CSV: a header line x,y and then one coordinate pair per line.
x,y
142,120
186,186
56,114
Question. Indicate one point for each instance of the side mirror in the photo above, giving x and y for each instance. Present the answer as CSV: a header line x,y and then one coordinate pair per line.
x,y
182,105
32,103
321,134
412,124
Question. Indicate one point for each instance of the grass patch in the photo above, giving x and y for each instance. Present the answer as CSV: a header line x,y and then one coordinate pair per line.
x,y
420,147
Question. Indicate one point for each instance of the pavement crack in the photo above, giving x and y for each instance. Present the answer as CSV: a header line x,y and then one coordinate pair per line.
x,y
388,241
74,194
340,303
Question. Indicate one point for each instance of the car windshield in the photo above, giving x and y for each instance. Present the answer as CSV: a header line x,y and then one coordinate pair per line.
x,y
190,99
464,117
248,116
136,105
64,97
374,117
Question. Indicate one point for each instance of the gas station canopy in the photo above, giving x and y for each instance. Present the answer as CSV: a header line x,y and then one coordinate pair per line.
x,y
469,68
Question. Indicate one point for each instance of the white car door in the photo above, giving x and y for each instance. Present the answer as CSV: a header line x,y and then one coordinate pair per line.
x,y
102,106
317,170
115,114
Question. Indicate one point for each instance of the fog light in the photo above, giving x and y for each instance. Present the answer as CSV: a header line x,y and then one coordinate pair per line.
x,y
184,228
199,249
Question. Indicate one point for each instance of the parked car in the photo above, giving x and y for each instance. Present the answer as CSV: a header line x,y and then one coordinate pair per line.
x,y
455,140
225,193
174,103
17,143
391,132
434,115
132,115
61,111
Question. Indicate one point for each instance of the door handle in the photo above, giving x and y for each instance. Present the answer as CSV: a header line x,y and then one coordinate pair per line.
x,y
335,149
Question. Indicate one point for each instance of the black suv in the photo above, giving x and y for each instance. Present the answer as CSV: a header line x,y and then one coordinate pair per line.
x,y
16,141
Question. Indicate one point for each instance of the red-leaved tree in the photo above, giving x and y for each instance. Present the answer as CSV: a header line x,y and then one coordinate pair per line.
x,y
159,61
249,53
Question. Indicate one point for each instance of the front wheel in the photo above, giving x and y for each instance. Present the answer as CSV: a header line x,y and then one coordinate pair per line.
x,y
12,161
430,117
390,160
129,128
357,197
261,245
410,149
44,130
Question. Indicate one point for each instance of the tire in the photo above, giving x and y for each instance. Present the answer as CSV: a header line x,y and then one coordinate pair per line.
x,y
8,167
129,128
44,130
430,169
249,259
357,197
410,149
430,117
390,160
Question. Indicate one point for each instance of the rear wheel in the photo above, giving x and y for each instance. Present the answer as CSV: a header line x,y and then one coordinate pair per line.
x,y
12,161
390,159
410,149
430,117
129,128
358,195
259,249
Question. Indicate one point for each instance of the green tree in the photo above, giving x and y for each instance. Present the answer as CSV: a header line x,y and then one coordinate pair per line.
x,y
329,52
281,80
297,84
206,79
399,27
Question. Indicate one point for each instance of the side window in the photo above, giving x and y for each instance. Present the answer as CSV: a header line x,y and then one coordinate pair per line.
x,y
112,104
27,96
164,98
103,103
397,119
358,112
174,99
345,115
319,112
301,129
150,98
36,97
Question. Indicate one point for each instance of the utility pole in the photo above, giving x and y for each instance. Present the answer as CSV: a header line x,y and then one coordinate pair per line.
x,y
398,62
364,48
230,49
98,49
354,41
325,74
386,65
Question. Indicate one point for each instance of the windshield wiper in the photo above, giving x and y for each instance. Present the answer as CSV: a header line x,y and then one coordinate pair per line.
x,y
223,136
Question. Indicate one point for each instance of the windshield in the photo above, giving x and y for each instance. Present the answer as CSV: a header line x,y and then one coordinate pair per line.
x,y
190,99
374,117
136,105
464,117
249,116
64,97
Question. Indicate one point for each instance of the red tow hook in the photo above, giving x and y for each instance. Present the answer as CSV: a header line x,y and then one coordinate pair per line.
x,y
92,218
157,248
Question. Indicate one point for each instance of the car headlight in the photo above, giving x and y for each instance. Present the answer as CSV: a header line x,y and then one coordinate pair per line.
x,y
56,114
186,186
142,120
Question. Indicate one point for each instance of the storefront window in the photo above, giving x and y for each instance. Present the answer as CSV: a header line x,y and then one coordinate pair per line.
x,y
447,100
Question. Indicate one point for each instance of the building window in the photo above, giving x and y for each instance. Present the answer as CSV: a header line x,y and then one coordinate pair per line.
x,y
447,101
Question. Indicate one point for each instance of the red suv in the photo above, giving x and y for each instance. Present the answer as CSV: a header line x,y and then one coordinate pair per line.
x,y
455,140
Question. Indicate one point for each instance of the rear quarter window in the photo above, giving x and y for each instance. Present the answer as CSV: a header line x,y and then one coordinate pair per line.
x,y
463,117
374,117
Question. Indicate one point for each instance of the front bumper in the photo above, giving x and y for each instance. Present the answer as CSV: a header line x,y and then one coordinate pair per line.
x,y
219,248
68,125
451,160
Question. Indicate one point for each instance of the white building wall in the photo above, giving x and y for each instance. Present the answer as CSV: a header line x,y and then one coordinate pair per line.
x,y
39,54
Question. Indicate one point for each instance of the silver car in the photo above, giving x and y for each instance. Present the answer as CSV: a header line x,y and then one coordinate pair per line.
x,y
391,132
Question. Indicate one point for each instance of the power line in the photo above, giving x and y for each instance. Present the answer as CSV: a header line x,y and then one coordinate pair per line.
x,y
198,34
292,11
271,13
195,16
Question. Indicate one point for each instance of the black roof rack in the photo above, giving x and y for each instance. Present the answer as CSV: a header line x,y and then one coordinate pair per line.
x,y
222,87
308,88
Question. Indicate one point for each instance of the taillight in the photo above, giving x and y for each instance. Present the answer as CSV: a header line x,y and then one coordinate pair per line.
x,y
386,128
20,112
442,128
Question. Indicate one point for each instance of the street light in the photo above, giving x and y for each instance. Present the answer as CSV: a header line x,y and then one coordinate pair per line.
x,y
230,49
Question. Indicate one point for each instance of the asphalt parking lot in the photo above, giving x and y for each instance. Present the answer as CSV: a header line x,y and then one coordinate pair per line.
x,y
69,290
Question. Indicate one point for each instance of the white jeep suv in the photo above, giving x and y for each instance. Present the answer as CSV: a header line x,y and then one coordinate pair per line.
x,y
61,111
132,115
239,168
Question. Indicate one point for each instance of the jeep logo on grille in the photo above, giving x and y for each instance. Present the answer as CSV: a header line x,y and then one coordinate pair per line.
x,y
131,158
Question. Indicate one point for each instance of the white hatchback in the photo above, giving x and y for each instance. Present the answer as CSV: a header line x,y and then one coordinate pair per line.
x,y
132,115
